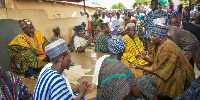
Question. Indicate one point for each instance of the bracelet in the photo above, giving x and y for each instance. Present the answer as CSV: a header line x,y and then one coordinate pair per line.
x,y
142,68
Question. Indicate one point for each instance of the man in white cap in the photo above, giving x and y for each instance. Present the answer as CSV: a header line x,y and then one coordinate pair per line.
x,y
56,31
53,83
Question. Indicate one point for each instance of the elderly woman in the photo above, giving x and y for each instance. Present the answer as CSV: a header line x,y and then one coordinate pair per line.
x,y
133,46
168,64
12,87
81,45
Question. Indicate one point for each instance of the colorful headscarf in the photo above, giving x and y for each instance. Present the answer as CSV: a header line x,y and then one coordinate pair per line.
x,y
160,30
56,48
78,28
116,45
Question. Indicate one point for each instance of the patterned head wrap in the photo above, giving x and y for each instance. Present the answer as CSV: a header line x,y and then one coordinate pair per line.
x,y
56,48
116,45
54,27
159,27
23,23
78,28
160,30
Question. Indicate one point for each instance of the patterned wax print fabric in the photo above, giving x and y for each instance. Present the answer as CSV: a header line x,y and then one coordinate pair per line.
x,y
193,92
173,71
51,86
55,38
114,80
12,88
148,21
81,42
101,44
22,51
133,47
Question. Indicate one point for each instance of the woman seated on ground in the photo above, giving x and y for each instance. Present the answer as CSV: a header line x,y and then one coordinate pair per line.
x,y
12,87
81,45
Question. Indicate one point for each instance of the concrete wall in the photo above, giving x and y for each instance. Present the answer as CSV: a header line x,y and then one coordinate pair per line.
x,y
3,14
65,10
66,26
42,23
10,28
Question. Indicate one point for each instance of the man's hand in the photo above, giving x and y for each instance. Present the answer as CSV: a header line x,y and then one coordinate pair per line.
x,y
89,85
82,88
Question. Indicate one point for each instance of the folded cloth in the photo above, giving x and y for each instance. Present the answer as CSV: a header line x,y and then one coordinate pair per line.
x,y
97,69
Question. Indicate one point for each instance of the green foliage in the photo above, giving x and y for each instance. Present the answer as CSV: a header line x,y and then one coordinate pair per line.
x,y
187,1
120,5
138,1
114,6
96,3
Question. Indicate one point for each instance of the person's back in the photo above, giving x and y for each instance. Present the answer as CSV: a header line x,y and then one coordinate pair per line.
x,y
113,76
192,28
184,39
115,80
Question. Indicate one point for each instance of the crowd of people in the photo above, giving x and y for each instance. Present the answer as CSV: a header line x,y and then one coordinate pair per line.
x,y
154,39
